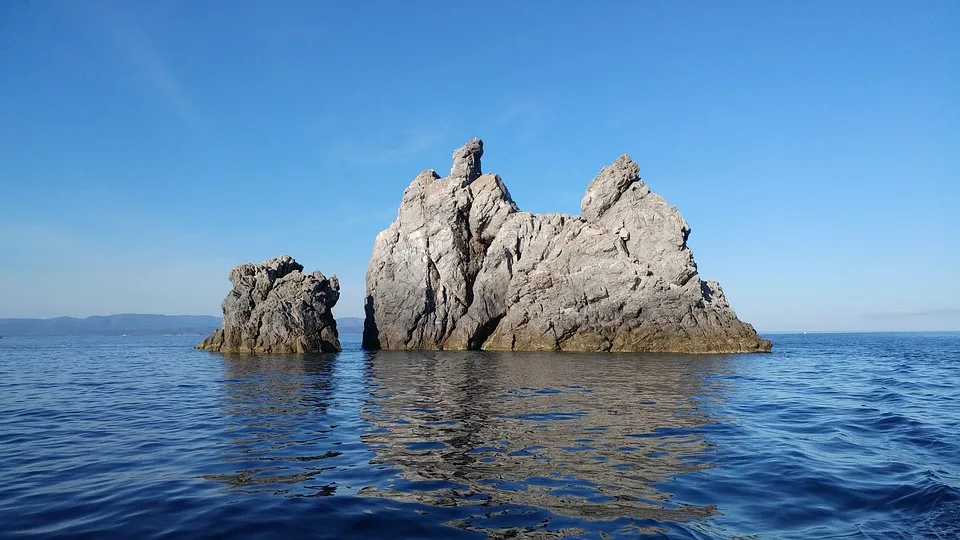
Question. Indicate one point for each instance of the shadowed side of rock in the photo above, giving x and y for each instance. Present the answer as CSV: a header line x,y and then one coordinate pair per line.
x,y
463,268
425,263
276,308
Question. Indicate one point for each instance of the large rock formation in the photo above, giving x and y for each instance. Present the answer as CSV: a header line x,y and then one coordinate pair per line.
x,y
275,308
463,268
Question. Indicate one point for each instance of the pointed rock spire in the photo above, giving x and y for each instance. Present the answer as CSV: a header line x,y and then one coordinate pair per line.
x,y
466,162
463,268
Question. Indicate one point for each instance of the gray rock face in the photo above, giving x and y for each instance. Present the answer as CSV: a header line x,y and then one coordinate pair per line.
x,y
463,268
466,162
275,308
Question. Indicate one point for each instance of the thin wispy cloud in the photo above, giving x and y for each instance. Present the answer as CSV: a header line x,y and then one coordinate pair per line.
x,y
913,313
523,117
520,111
389,149
155,71
128,37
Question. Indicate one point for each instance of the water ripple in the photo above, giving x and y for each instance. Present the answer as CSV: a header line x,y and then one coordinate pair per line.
x,y
831,436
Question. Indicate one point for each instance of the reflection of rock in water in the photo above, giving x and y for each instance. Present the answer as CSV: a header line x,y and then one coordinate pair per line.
x,y
274,403
579,435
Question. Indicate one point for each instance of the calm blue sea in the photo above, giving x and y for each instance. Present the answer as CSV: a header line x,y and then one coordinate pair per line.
x,y
831,436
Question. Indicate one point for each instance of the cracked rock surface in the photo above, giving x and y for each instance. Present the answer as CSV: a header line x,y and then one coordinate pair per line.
x,y
463,268
276,308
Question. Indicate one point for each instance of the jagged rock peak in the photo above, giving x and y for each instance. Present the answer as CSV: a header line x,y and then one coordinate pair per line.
x,y
276,308
275,269
463,268
466,162
605,190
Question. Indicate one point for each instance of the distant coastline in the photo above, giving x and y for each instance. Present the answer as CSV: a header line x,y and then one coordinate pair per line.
x,y
131,324
135,324
109,325
849,332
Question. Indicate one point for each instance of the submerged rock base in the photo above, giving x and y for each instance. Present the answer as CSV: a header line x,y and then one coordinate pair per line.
x,y
275,308
463,268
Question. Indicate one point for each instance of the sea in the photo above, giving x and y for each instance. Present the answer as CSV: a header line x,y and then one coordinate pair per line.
x,y
829,436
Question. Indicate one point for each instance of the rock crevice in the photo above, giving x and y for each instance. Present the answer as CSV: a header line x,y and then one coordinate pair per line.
x,y
463,268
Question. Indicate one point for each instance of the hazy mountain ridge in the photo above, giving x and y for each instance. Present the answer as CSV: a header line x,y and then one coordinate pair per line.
x,y
132,324
349,325
110,325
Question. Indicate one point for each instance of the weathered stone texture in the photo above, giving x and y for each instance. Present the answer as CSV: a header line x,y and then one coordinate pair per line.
x,y
463,268
276,308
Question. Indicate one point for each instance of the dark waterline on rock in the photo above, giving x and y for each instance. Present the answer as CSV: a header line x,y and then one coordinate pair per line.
x,y
832,435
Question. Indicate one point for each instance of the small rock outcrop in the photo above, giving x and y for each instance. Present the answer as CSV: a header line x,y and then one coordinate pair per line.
x,y
463,268
276,308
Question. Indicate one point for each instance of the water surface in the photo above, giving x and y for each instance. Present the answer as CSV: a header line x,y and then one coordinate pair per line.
x,y
832,435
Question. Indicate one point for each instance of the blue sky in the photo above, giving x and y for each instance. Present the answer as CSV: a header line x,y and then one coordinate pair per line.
x,y
146,148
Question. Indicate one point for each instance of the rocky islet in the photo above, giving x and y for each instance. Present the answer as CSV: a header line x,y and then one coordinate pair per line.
x,y
463,268
274,307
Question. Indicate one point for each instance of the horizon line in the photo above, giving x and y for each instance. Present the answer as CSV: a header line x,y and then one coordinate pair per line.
x,y
759,331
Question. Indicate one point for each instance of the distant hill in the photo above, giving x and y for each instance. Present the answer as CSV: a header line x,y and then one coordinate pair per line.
x,y
134,325
111,325
349,325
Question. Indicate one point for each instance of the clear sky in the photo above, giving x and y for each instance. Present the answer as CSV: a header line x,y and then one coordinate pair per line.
x,y
148,147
